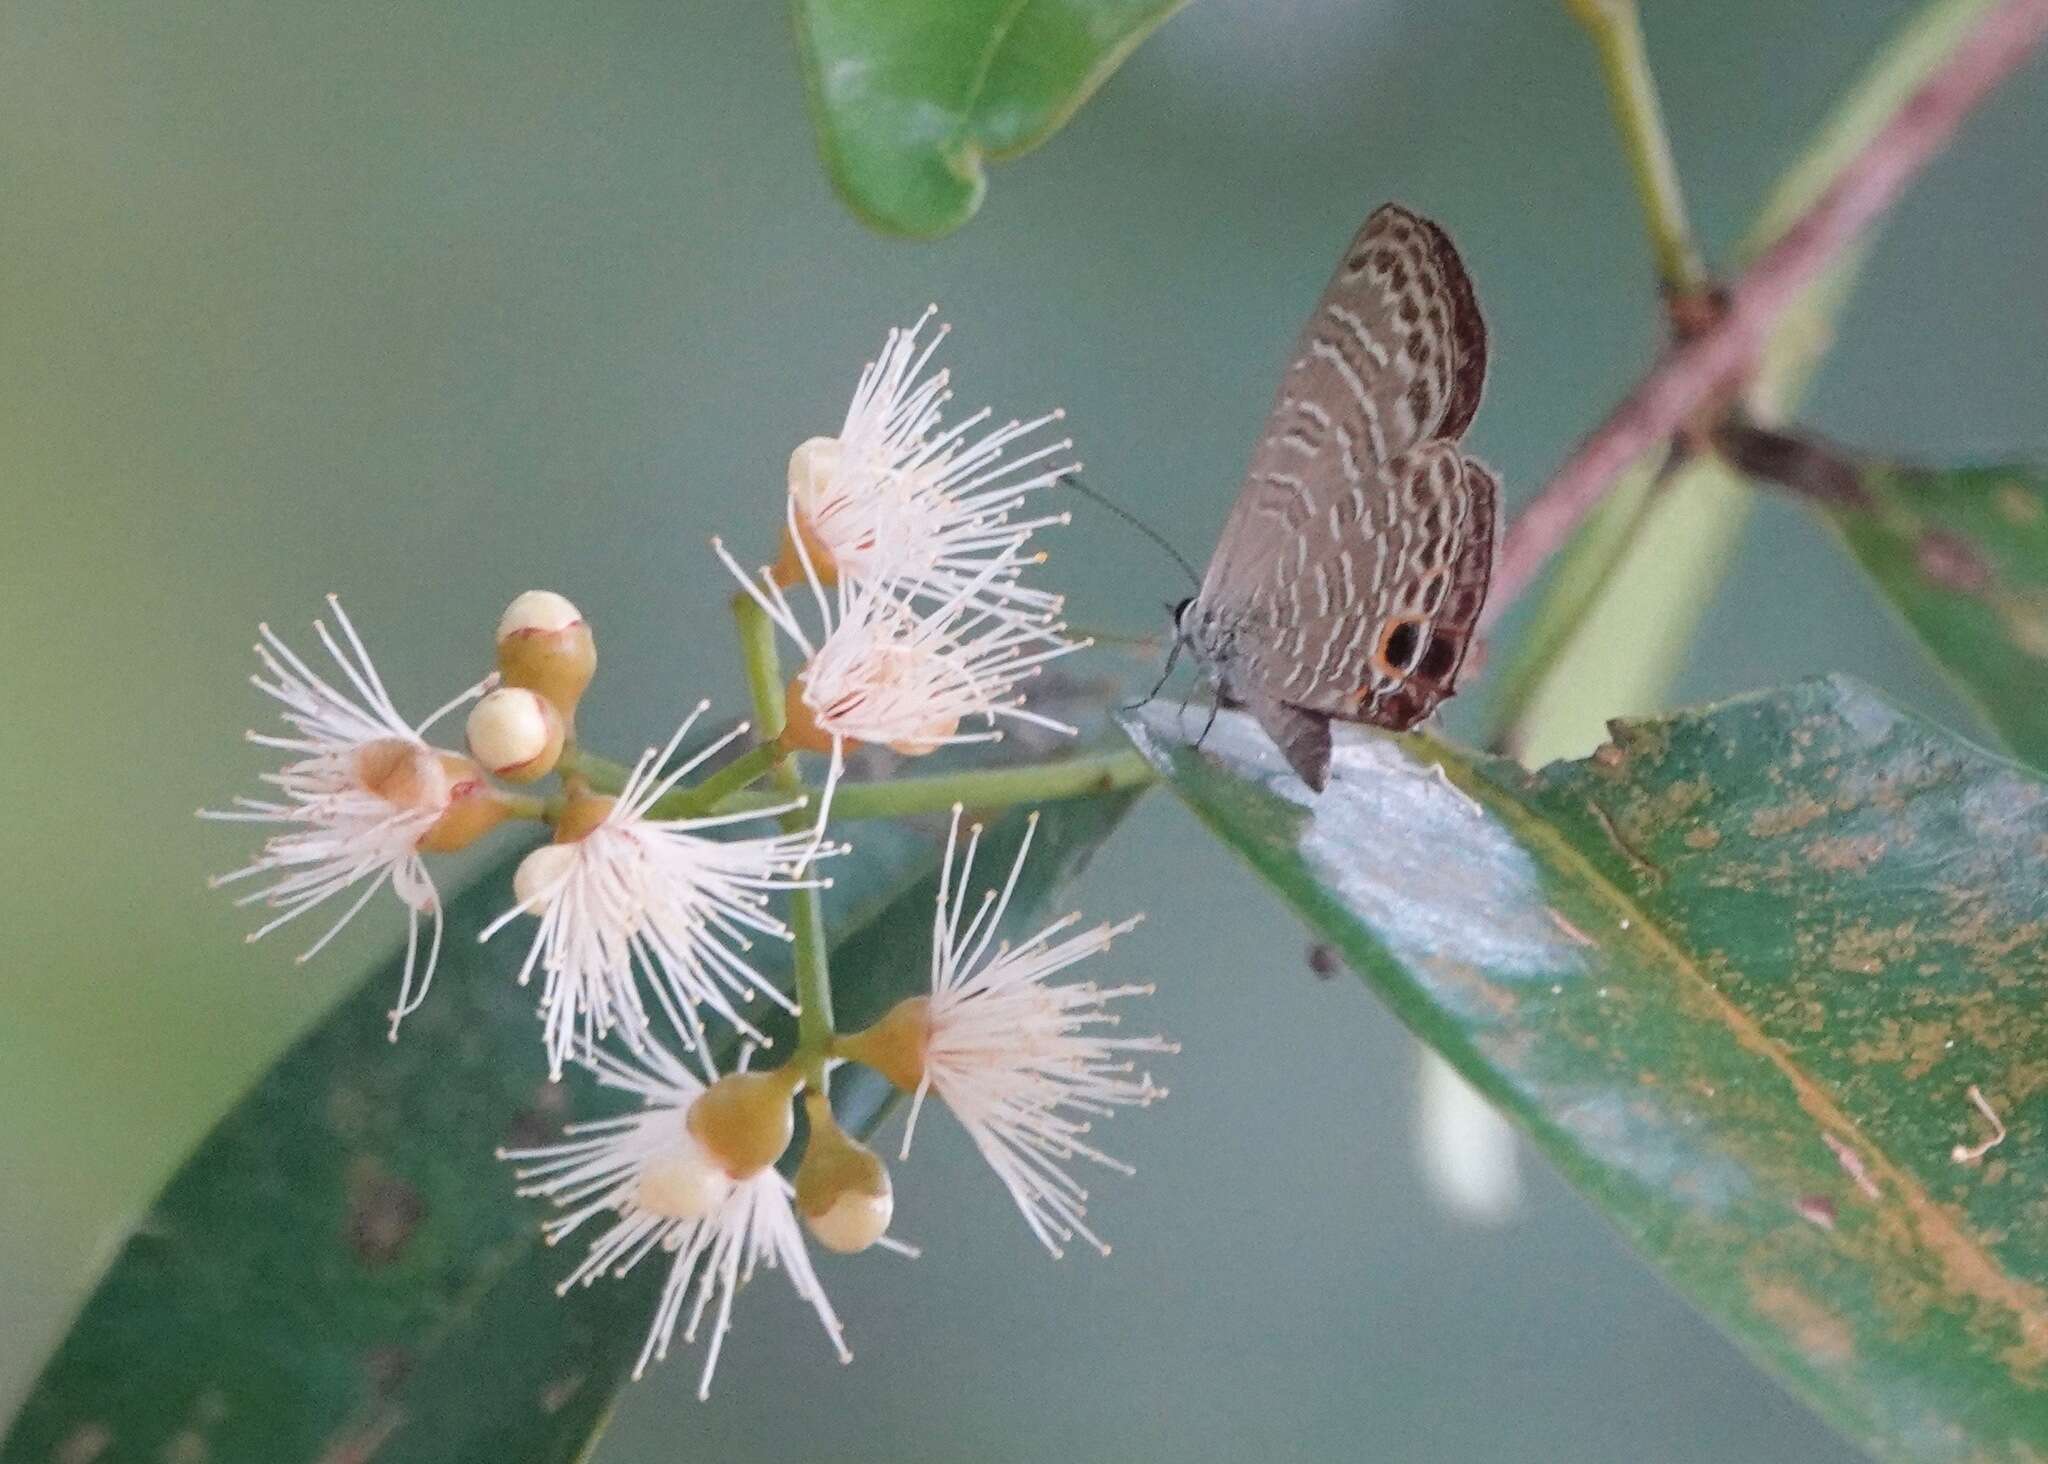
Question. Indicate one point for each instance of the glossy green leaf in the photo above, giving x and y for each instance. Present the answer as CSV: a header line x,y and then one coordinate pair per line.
x,y
1963,555
342,1272
909,97
1739,974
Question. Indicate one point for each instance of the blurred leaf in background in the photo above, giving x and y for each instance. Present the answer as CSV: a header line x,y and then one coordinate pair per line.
x,y
911,98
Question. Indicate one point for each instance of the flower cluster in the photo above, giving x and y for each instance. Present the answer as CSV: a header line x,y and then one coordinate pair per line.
x,y
930,629
910,539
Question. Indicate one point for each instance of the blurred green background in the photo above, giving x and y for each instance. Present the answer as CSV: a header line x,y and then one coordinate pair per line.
x,y
428,304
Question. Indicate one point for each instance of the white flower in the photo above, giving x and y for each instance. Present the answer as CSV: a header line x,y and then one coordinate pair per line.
x,y
663,1191
363,792
1025,1064
883,671
635,898
898,496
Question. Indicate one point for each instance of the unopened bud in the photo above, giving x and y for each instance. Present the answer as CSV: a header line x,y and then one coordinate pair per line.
x,y
545,646
682,1182
895,1046
516,733
745,1120
842,1186
474,807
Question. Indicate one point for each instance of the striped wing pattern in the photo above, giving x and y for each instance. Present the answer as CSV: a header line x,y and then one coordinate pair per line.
x,y
1353,566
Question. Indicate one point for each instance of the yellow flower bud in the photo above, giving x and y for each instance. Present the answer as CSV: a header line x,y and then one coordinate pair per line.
x,y
516,733
545,646
894,1046
745,1121
842,1186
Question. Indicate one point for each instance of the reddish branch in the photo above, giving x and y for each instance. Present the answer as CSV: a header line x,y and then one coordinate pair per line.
x,y
1693,373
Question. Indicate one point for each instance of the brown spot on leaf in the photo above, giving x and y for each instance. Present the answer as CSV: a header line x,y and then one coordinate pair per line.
x,y
187,1446
1644,869
359,1443
2016,505
1852,1164
540,1121
1820,1334
1818,1210
1864,950
1951,562
558,1393
1769,823
84,1444
1570,930
387,1368
1849,855
1703,836
2026,622
383,1212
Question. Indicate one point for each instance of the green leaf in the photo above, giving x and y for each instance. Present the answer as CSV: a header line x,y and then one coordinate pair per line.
x,y
1738,974
341,1271
910,96
1963,555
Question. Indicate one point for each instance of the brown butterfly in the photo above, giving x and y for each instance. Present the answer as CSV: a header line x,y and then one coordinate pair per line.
x,y
1351,570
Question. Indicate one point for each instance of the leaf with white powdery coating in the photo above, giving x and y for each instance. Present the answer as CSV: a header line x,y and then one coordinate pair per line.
x,y
1740,974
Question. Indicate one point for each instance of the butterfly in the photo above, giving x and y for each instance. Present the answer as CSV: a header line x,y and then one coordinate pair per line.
x,y
1349,575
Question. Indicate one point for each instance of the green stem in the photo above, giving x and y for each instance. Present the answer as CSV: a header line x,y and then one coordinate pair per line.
x,y
807,907
756,763
1619,652
990,788
523,805
1617,35
986,788
763,667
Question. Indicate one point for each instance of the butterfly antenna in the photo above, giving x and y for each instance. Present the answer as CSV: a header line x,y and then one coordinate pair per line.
x,y
1073,481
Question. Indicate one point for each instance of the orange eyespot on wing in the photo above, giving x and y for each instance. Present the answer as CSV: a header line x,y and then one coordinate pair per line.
x,y
1400,641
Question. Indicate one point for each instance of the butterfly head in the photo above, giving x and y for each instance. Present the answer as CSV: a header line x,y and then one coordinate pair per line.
x,y
1206,637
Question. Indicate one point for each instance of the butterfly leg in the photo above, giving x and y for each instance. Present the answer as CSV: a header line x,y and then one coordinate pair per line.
x,y
1172,656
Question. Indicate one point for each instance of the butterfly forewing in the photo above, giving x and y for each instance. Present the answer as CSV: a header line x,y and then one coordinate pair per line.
x,y
1353,565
